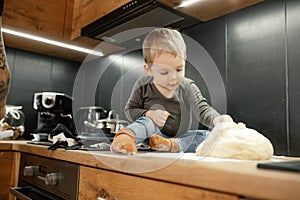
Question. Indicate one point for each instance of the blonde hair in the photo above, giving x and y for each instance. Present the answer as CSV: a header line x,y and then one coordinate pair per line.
x,y
163,40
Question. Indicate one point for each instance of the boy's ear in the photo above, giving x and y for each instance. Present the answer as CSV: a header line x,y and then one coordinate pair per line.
x,y
147,70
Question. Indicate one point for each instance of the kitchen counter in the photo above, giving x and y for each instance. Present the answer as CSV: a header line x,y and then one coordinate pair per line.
x,y
234,177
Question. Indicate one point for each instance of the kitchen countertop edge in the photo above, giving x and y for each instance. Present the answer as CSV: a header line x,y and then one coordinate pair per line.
x,y
239,178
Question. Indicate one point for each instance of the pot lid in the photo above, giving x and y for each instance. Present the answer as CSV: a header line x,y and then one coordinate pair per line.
x,y
120,121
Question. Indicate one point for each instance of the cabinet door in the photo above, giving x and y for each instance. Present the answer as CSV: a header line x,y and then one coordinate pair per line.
x,y
36,16
9,165
96,183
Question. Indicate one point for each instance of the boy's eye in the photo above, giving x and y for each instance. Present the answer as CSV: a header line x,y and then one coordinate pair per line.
x,y
179,70
164,73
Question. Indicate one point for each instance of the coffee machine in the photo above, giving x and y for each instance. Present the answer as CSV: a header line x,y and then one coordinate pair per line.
x,y
53,109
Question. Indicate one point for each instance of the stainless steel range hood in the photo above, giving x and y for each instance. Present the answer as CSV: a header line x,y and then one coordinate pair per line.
x,y
136,14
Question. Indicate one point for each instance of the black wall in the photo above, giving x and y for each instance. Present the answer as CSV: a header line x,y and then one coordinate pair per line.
x,y
257,53
31,73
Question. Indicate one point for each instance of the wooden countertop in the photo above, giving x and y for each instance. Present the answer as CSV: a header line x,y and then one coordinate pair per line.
x,y
240,178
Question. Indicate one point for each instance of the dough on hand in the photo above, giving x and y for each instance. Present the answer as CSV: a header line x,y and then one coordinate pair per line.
x,y
235,141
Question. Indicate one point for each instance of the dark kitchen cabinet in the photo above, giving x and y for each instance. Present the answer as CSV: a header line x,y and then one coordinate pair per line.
x,y
32,73
293,73
257,70
257,53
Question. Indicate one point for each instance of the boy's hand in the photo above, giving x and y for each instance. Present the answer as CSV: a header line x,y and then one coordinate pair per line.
x,y
222,118
159,117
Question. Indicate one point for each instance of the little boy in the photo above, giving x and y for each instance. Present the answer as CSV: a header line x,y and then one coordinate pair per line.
x,y
161,102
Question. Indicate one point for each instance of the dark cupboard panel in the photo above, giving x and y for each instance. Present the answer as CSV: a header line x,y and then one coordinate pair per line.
x,y
10,60
262,67
30,70
132,68
112,66
211,36
257,70
293,46
63,76
115,83
31,73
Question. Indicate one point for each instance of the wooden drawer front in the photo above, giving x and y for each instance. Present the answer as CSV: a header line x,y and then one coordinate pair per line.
x,y
96,183
9,165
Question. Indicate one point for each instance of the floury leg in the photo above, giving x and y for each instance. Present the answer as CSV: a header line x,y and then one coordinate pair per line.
x,y
124,142
160,143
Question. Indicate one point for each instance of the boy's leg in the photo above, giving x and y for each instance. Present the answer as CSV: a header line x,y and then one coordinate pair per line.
x,y
189,141
160,143
124,142
126,138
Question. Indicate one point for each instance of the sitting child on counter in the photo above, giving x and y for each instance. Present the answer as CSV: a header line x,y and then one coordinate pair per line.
x,y
161,101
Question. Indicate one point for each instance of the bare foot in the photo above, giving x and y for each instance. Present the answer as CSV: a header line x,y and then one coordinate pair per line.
x,y
124,142
160,143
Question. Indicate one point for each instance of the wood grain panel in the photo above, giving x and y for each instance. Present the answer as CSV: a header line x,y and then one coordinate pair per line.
x,y
72,27
83,12
9,165
205,10
96,183
46,17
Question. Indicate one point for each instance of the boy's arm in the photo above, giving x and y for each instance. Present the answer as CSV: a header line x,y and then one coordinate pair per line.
x,y
134,106
201,109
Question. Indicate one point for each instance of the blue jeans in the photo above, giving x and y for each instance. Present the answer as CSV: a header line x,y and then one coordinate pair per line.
x,y
144,128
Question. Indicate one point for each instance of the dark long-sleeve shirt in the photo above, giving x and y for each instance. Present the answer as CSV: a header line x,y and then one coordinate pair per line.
x,y
187,98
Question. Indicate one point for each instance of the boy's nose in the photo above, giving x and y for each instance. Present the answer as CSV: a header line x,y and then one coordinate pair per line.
x,y
172,75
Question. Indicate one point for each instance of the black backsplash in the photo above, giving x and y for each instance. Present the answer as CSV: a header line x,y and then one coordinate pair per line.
x,y
31,73
293,72
257,53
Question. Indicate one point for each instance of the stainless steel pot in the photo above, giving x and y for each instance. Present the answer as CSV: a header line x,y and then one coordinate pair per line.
x,y
90,115
112,122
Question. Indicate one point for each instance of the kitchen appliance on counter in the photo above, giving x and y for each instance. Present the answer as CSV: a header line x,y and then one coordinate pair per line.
x,y
88,133
46,178
88,114
53,109
14,122
112,123
97,126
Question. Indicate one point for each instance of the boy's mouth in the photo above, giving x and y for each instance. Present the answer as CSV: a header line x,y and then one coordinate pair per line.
x,y
173,86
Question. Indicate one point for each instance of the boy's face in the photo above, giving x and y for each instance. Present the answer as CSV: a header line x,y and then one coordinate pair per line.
x,y
167,71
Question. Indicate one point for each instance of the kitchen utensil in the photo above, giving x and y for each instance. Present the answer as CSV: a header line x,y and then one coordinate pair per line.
x,y
87,116
293,166
112,122
39,137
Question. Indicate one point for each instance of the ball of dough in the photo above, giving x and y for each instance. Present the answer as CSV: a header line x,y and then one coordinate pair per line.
x,y
235,141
